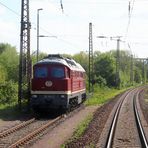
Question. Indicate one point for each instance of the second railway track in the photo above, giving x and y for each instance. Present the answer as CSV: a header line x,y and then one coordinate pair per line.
x,y
15,128
34,133
19,135
24,133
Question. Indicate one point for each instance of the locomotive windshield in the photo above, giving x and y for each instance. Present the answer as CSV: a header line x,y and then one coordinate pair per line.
x,y
50,72
41,72
57,72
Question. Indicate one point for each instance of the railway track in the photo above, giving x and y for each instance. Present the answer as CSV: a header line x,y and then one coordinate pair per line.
x,y
124,128
24,132
15,128
28,131
31,135
143,138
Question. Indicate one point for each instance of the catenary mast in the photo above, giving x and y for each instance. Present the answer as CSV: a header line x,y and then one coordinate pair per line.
x,y
91,65
24,61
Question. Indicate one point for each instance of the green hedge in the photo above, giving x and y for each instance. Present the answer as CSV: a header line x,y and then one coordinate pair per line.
x,y
8,92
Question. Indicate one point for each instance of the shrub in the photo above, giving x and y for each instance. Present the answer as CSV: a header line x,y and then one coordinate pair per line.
x,y
100,80
8,92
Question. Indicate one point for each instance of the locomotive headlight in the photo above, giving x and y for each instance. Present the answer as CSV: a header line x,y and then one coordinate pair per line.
x,y
63,96
34,96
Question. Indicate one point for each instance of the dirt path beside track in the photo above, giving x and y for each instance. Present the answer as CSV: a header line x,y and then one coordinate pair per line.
x,y
65,130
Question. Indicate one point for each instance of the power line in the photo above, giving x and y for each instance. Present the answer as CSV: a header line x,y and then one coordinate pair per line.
x,y
95,2
130,11
10,9
57,38
14,12
62,6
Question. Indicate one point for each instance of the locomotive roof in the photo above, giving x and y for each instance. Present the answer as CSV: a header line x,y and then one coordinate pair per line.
x,y
58,59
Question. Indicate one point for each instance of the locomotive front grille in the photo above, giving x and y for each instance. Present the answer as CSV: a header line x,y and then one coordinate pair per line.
x,y
51,100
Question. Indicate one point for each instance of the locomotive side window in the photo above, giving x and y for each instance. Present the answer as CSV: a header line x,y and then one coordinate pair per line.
x,y
41,72
57,72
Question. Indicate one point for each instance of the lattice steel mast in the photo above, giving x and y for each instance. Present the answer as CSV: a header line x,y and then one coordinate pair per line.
x,y
24,61
131,71
118,63
91,65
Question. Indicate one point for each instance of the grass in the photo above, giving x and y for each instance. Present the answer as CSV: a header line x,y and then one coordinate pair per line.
x,y
146,96
102,95
82,126
80,130
10,112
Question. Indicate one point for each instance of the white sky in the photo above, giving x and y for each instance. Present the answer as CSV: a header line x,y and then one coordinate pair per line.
x,y
109,18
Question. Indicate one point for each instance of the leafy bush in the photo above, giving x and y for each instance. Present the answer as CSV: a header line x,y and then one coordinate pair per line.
x,y
104,67
9,61
8,92
101,81
3,74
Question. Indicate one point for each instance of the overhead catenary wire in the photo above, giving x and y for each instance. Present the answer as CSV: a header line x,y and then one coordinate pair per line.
x,y
62,6
48,33
10,9
130,12
106,2
62,38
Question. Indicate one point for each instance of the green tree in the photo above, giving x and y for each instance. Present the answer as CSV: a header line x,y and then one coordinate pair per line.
x,y
105,67
137,75
82,58
34,57
99,80
3,74
9,60
125,68
3,47
8,92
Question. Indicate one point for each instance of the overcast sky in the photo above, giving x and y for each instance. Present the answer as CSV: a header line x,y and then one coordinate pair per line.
x,y
110,18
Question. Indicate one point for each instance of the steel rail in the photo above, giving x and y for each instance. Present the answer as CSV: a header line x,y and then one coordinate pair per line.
x,y
142,136
28,137
113,124
13,129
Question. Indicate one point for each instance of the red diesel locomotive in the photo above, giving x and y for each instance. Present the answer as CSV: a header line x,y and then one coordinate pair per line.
x,y
57,82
